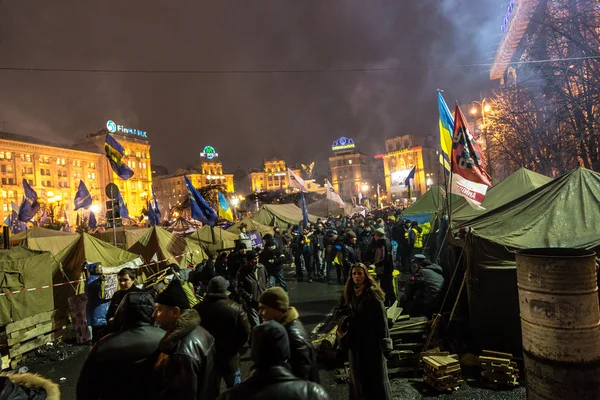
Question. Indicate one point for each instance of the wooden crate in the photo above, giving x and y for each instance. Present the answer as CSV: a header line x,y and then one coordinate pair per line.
x,y
442,371
498,369
23,336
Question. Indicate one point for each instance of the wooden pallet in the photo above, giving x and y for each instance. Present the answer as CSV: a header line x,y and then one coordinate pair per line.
x,y
442,371
498,369
23,336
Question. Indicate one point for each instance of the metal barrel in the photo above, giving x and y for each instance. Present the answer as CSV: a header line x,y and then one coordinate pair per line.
x,y
560,322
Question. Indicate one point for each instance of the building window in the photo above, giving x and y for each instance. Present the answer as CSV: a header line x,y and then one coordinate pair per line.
x,y
9,168
29,170
93,176
138,154
92,165
5,207
11,194
30,181
4,183
11,181
2,155
8,155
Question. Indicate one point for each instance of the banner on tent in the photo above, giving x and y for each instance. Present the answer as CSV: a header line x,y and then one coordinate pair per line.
x,y
420,218
256,240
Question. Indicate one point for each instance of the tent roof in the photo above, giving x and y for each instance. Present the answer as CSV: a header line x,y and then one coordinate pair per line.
x,y
430,203
563,213
285,214
223,239
38,238
88,248
252,226
165,245
324,207
512,187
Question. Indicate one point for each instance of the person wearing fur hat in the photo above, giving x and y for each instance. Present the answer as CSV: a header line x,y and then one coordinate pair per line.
x,y
27,386
227,322
252,281
274,305
130,351
367,336
185,368
269,378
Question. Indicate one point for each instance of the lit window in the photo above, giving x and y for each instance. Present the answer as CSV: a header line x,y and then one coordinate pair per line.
x,y
93,175
5,207
3,193
62,161
92,165
1,155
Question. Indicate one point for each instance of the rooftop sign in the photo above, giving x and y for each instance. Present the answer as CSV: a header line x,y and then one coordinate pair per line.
x,y
209,152
343,143
113,127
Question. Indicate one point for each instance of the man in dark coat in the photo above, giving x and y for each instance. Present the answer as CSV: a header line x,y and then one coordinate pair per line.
x,y
425,291
227,322
365,240
384,265
270,379
235,262
318,249
273,258
185,368
120,361
274,305
329,242
278,237
350,253
126,277
252,281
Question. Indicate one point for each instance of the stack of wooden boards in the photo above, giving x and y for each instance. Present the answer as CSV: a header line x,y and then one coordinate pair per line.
x,y
442,371
498,369
20,337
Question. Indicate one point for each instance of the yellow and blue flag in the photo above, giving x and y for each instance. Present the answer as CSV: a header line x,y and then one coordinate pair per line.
x,y
225,211
114,153
83,199
446,129
201,211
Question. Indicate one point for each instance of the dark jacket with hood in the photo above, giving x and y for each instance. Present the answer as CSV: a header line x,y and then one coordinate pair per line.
x,y
124,358
226,321
27,387
116,300
427,286
303,357
329,241
250,285
350,254
185,368
273,260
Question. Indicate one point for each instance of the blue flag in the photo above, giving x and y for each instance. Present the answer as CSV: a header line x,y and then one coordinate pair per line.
x,y
411,175
92,223
152,217
304,210
122,207
16,225
114,153
29,206
155,205
201,211
83,198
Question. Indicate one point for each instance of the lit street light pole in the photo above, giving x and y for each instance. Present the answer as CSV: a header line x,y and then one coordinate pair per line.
x,y
484,108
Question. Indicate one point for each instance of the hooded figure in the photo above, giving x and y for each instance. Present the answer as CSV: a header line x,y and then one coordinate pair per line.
x,y
130,352
270,379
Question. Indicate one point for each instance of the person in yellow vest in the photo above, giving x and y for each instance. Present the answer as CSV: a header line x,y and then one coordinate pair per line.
x,y
415,240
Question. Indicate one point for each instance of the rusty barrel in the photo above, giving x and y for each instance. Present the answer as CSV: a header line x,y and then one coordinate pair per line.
x,y
560,323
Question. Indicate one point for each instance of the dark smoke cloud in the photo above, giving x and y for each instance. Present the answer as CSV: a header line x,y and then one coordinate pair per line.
x,y
245,117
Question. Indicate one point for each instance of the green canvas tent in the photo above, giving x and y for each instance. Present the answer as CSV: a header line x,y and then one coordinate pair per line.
x,y
512,187
325,207
563,213
160,245
282,215
37,238
223,240
22,268
429,205
252,225
127,236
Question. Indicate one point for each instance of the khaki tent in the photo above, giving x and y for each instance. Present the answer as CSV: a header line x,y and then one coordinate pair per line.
x,y
181,225
43,239
160,245
127,236
281,215
325,207
563,213
22,268
252,225
514,186
429,205
223,240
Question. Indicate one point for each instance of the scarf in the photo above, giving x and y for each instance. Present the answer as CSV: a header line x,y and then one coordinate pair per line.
x,y
358,290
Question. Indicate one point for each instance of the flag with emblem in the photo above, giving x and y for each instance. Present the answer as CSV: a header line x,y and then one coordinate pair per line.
x,y
201,211
83,198
114,152
30,205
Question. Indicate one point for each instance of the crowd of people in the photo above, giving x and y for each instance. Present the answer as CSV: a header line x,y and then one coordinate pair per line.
x,y
182,343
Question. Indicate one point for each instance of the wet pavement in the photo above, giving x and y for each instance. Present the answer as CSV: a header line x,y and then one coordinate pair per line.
x,y
314,302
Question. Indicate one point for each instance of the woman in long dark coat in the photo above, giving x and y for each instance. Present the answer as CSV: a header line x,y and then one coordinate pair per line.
x,y
367,337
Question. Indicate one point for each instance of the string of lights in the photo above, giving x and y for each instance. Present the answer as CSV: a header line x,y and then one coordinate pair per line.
x,y
280,71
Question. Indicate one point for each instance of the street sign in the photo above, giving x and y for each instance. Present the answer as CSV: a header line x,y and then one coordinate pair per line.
x,y
111,191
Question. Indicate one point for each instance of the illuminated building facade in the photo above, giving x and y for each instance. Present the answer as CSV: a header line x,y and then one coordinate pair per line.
x,y
350,170
274,176
402,154
54,172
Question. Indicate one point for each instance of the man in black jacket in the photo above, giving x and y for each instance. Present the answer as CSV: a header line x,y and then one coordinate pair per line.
x,y
235,262
185,368
274,305
119,365
272,258
126,277
318,248
350,253
270,379
227,322
425,291
384,265
252,280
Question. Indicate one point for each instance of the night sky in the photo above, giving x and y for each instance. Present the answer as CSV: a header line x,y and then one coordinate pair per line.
x,y
245,116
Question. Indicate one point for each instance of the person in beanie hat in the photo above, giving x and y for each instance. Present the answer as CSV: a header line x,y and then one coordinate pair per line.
x,y
270,379
227,322
274,305
185,368
272,258
384,265
350,253
252,281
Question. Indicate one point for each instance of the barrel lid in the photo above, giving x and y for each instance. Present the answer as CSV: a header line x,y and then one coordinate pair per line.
x,y
556,252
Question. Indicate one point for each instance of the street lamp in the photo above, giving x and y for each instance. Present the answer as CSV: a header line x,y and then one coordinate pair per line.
x,y
365,187
429,181
53,203
95,208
